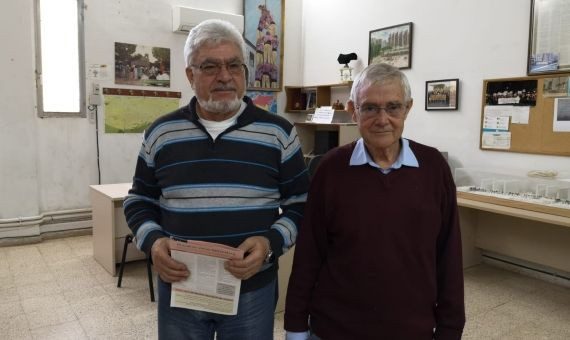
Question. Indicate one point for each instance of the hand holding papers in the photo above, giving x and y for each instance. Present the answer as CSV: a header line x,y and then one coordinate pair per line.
x,y
210,287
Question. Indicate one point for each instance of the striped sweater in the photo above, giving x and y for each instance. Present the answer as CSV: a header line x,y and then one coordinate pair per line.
x,y
188,186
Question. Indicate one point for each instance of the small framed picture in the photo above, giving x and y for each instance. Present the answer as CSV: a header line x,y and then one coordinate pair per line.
x,y
442,94
391,45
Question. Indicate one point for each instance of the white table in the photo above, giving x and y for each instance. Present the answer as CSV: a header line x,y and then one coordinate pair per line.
x,y
110,227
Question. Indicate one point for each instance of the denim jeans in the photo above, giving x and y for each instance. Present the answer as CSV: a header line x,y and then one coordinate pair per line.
x,y
254,319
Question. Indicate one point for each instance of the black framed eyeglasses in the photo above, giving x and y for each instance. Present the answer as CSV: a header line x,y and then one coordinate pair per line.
x,y
212,69
394,110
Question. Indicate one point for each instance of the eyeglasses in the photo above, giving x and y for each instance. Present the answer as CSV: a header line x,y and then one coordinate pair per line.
x,y
393,110
211,69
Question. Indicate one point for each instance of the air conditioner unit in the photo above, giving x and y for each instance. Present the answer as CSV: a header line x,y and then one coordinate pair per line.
x,y
185,18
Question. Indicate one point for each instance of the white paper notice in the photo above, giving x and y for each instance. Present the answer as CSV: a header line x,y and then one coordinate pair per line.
x,y
520,114
323,114
498,110
210,287
496,123
97,71
561,115
496,140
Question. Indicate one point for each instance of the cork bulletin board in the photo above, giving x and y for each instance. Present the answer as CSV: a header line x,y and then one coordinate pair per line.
x,y
542,131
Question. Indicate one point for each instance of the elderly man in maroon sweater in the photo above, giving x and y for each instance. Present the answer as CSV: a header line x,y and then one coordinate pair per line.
x,y
379,252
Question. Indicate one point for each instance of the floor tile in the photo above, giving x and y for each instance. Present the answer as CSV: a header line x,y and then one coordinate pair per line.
x,y
15,325
38,290
10,309
44,302
96,305
99,324
50,317
75,295
68,330
9,294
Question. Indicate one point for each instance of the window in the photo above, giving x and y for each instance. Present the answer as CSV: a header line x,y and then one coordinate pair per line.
x,y
59,58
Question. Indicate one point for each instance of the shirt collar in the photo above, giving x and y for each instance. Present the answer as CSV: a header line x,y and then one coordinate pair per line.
x,y
406,157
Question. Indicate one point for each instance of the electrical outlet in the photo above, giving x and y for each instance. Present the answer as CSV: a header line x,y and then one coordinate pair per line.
x,y
96,89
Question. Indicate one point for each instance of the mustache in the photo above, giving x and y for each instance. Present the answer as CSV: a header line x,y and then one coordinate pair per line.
x,y
222,87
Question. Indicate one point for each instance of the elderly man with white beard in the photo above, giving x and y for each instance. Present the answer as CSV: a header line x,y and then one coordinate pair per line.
x,y
218,170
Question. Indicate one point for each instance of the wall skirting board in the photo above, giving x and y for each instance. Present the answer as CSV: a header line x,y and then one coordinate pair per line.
x,y
33,227
527,268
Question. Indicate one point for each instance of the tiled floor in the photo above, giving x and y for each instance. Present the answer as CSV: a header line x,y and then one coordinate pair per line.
x,y
55,290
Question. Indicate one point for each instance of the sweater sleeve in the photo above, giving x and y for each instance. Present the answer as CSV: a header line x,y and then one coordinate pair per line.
x,y
293,185
310,253
141,206
450,310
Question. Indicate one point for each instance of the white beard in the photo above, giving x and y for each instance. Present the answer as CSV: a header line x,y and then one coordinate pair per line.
x,y
221,107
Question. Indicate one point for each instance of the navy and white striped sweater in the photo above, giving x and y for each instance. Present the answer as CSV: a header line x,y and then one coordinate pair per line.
x,y
187,186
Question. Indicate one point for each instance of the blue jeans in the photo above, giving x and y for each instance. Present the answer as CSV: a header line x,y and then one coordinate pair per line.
x,y
254,319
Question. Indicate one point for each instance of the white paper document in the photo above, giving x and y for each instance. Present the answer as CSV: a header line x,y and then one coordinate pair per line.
x,y
496,123
210,287
518,114
496,140
323,114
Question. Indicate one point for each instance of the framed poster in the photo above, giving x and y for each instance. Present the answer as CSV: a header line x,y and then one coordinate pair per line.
x,y
549,41
442,94
263,34
391,45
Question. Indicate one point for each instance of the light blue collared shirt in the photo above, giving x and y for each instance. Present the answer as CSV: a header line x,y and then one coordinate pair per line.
x,y
406,157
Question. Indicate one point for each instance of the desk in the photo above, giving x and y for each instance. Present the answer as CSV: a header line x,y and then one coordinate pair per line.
x,y
110,227
532,236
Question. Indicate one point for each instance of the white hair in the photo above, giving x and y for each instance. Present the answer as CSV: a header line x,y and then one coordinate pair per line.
x,y
211,31
378,74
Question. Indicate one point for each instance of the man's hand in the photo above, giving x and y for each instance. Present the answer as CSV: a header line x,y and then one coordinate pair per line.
x,y
256,249
168,269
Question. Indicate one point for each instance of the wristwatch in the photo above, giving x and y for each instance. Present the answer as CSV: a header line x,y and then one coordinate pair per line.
x,y
269,256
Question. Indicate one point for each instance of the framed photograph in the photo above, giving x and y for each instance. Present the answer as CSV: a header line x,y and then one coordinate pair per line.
x,y
391,45
548,40
511,92
442,94
263,34
142,65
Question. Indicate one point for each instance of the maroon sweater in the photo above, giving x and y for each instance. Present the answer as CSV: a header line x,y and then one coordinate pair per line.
x,y
379,256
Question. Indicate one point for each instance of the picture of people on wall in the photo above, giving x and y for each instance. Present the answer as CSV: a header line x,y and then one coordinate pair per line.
x,y
442,94
519,92
142,65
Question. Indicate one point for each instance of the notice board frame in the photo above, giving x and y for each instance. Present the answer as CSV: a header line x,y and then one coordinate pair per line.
x,y
536,137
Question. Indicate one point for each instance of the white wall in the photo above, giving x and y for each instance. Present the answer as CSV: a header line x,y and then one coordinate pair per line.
x,y
18,123
465,39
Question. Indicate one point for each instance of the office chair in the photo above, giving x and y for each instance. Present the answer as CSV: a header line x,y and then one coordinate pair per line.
x,y
129,239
